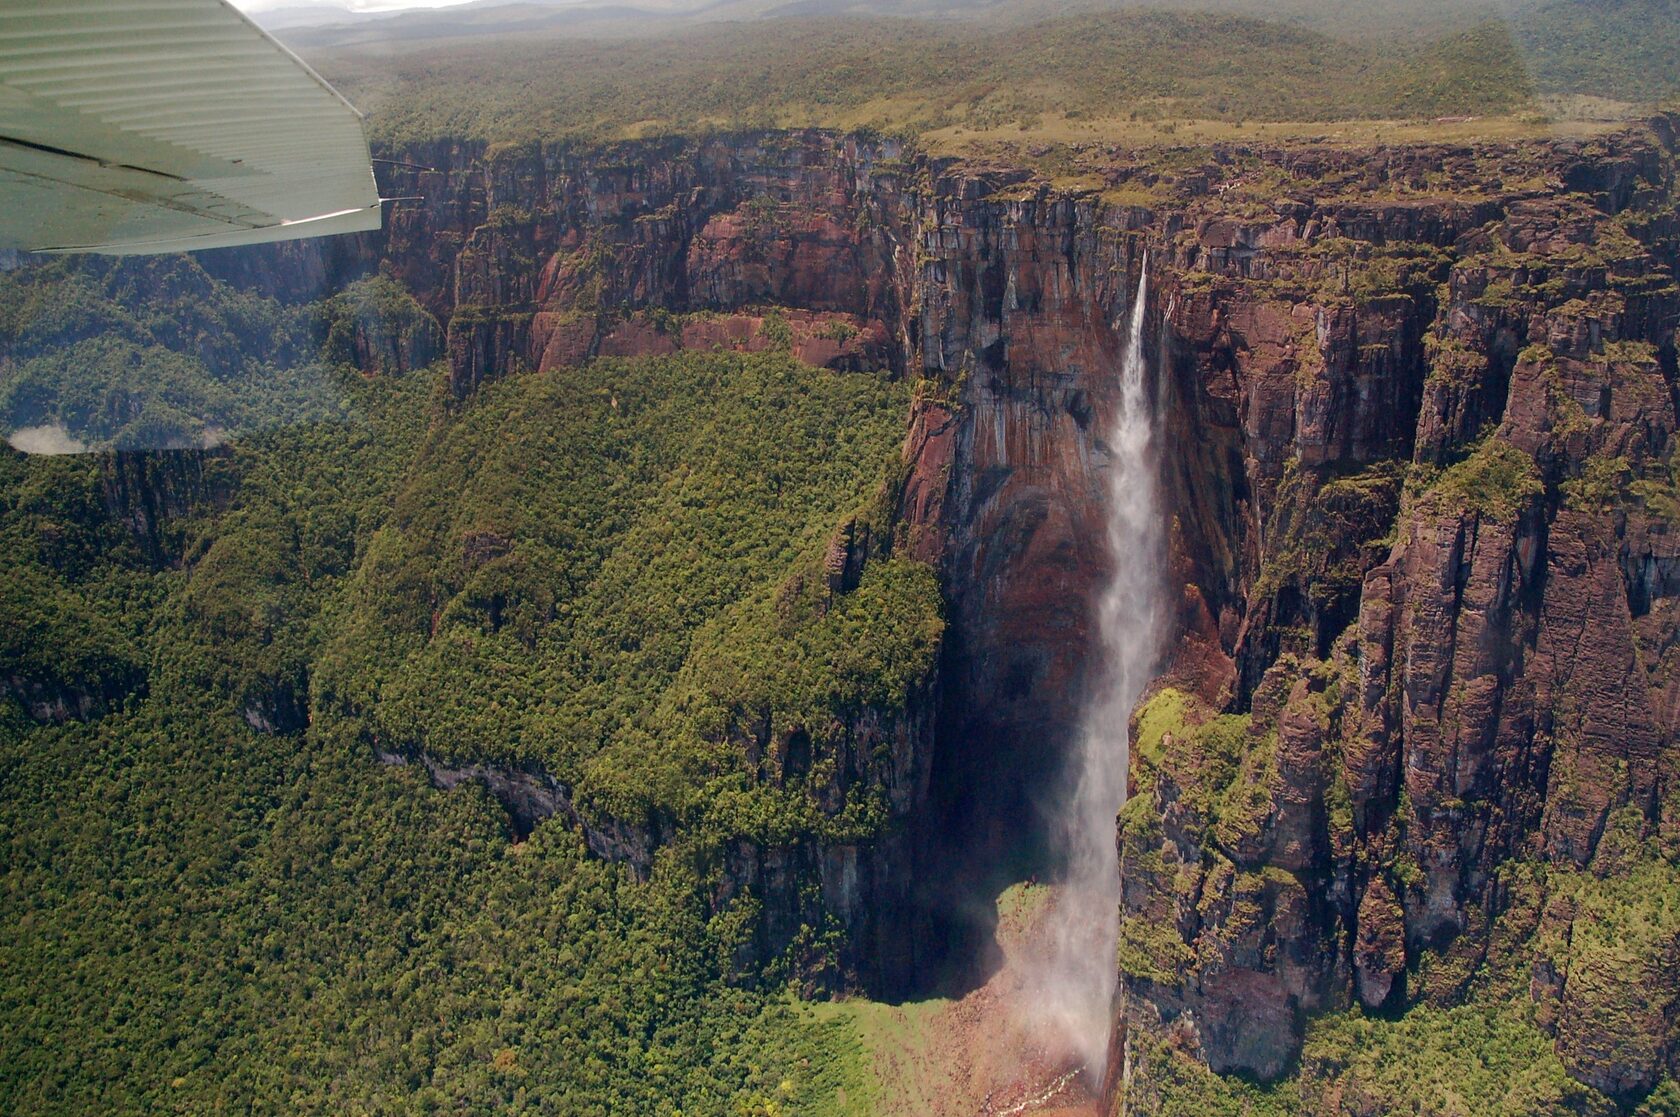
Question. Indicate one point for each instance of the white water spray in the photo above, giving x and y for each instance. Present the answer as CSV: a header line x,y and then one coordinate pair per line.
x,y
1074,992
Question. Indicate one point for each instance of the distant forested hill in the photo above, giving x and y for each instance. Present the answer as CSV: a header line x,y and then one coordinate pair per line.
x,y
502,72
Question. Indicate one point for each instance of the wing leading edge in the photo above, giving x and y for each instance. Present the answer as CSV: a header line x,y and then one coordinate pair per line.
x,y
132,126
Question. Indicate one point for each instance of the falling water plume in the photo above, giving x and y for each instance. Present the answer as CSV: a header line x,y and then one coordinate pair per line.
x,y
1074,987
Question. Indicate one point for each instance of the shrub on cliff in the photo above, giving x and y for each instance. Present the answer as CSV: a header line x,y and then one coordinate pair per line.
x,y
1497,480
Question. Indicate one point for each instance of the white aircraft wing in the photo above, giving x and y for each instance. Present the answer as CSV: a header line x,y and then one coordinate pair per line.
x,y
131,126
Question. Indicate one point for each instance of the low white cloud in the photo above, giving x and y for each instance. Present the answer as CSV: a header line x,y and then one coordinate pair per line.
x,y
46,440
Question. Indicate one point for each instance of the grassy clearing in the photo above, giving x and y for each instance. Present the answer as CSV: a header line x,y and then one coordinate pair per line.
x,y
888,1054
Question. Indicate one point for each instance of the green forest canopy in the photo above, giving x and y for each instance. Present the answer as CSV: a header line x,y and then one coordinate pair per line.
x,y
1304,63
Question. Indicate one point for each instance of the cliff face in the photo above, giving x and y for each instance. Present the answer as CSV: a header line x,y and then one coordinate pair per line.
x,y
1003,295
542,260
64,657
852,258
147,493
1416,413
1456,674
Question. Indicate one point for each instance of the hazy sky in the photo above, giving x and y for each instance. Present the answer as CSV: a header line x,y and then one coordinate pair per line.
x,y
350,5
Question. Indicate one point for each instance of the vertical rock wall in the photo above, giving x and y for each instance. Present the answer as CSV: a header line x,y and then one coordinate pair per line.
x,y
1442,608
1417,412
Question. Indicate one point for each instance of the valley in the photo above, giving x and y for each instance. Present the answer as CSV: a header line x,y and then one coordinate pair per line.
x,y
622,637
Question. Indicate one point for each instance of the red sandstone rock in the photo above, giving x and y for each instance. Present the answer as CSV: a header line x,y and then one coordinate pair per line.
x,y
1490,681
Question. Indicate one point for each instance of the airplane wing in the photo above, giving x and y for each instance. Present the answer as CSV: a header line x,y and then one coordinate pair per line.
x,y
131,126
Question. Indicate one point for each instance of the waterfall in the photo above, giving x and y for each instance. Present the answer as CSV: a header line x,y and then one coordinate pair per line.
x,y
1075,986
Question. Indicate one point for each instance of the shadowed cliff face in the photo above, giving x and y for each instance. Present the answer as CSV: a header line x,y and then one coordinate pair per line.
x,y
1022,309
1416,430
